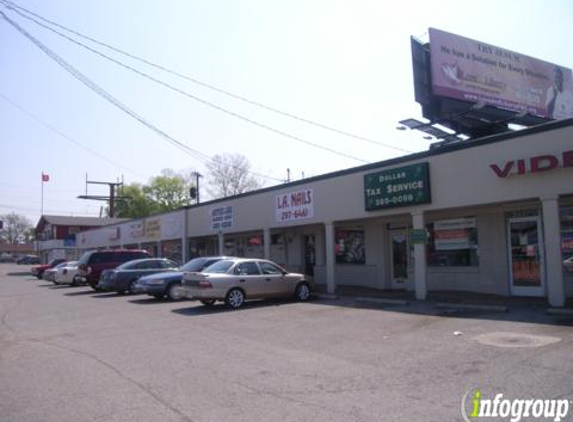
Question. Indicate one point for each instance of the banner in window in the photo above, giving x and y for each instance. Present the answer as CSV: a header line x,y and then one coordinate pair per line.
x,y
454,234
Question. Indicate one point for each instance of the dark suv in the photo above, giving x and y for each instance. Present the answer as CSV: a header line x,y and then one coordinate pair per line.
x,y
92,263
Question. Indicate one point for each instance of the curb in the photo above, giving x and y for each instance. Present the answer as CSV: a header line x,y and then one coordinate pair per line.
x,y
327,296
560,311
381,301
489,308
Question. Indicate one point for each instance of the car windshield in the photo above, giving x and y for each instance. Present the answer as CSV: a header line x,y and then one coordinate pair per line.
x,y
219,267
198,264
72,264
84,258
63,264
129,265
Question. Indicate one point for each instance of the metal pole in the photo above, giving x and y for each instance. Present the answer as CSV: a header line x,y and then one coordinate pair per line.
x,y
42,201
197,183
111,200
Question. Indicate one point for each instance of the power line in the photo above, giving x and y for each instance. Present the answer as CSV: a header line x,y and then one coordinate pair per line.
x,y
194,97
18,8
63,135
12,207
107,96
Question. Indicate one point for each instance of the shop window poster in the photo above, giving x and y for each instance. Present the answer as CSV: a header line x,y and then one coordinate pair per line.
x,y
349,247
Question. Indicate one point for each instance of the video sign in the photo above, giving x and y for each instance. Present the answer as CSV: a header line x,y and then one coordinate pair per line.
x,y
473,71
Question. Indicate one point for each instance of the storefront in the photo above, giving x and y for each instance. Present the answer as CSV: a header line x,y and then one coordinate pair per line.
x,y
492,216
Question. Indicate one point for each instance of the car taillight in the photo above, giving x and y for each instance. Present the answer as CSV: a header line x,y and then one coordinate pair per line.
x,y
205,284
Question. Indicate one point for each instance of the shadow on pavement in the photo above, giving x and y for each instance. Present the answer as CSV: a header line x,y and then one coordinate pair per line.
x,y
199,309
83,293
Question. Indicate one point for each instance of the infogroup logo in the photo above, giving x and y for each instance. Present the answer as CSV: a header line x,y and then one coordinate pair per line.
x,y
476,407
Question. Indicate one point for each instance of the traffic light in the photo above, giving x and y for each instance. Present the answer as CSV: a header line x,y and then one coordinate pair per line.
x,y
193,192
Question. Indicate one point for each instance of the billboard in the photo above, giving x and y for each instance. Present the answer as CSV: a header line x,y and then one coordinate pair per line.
x,y
473,71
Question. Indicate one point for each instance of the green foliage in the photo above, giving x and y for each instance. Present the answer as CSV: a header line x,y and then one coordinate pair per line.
x,y
166,192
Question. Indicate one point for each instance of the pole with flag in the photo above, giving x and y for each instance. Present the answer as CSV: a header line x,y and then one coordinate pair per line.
x,y
45,178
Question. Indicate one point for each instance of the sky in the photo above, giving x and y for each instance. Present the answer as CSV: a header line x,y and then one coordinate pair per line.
x,y
343,64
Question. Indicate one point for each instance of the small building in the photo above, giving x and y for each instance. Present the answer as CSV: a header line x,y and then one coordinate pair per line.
x,y
56,235
13,251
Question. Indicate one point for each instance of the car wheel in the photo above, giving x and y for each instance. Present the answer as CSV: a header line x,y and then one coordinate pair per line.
x,y
235,298
131,287
174,292
39,276
208,302
74,283
302,292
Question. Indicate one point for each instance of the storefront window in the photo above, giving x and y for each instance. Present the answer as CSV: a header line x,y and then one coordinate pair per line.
x,y
567,237
453,243
172,250
349,247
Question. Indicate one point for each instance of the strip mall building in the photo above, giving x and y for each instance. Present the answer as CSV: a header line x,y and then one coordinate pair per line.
x,y
492,215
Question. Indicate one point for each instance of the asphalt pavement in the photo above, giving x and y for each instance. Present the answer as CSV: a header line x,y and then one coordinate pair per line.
x,y
69,354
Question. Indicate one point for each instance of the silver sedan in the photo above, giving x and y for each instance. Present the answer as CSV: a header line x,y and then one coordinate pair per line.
x,y
236,280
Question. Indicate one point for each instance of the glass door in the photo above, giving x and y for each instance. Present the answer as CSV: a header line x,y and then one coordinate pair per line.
x,y
399,252
526,256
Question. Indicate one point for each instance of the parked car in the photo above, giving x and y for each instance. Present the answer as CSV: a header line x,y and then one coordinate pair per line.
x,y
50,273
28,260
568,263
38,270
66,273
123,278
236,280
169,283
92,263
7,257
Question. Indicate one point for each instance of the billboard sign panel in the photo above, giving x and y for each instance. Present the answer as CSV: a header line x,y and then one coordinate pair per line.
x,y
473,71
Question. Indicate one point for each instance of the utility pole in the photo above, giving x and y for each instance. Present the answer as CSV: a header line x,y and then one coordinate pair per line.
x,y
112,198
194,193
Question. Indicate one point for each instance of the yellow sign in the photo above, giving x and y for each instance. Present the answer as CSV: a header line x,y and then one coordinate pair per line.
x,y
153,228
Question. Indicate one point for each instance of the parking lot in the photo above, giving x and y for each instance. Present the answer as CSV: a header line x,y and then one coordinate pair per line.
x,y
70,354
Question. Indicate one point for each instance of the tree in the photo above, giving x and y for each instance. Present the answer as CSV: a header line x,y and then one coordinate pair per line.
x,y
16,229
230,174
168,191
136,203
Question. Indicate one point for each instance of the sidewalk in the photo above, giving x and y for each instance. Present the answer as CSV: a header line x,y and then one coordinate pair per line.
x,y
441,298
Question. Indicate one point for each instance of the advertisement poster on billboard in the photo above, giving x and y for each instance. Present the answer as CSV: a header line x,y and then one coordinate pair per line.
x,y
294,206
473,71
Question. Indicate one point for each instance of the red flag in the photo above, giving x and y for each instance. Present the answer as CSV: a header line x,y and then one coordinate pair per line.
x,y
45,177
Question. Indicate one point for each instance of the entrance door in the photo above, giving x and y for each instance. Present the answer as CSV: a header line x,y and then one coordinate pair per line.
x,y
526,256
399,257
309,254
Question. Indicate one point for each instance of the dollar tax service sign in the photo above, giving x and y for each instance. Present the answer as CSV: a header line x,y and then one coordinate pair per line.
x,y
398,187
